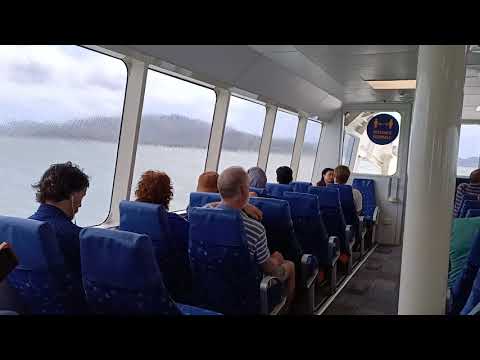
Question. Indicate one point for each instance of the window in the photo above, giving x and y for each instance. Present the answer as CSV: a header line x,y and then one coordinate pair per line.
x,y
58,104
309,150
283,139
368,157
468,150
243,133
174,133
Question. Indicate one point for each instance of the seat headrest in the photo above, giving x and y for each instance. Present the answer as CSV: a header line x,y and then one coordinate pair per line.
x,y
144,218
259,191
199,199
301,204
217,226
327,196
278,189
34,243
363,183
275,211
301,186
118,258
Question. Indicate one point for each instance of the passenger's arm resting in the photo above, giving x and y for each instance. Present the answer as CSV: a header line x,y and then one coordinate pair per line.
x,y
270,267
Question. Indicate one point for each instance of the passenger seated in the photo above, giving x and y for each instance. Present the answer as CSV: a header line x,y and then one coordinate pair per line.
x,y
233,187
341,174
60,192
207,182
327,177
473,188
258,178
284,175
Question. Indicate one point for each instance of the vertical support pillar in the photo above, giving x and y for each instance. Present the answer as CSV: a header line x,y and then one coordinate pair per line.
x,y
298,145
267,136
127,147
431,172
218,128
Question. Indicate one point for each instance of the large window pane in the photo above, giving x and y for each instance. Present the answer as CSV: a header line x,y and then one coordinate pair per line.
x,y
243,134
309,150
283,139
58,104
370,158
469,150
174,133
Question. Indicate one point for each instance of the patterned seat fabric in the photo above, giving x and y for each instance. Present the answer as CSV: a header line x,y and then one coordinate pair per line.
x,y
121,276
169,236
42,280
309,227
277,190
225,277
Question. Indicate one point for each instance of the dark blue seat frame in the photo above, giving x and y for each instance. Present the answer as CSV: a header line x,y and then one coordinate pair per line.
x,y
42,280
169,236
121,276
332,214
226,277
312,233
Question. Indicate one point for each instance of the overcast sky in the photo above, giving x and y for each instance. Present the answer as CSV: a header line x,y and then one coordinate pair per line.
x,y
62,83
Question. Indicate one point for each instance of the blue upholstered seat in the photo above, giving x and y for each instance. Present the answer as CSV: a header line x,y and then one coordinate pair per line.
x,y
369,202
199,199
169,236
42,280
121,275
301,186
277,190
258,191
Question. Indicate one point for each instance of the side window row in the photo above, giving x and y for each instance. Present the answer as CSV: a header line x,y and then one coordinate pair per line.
x,y
64,103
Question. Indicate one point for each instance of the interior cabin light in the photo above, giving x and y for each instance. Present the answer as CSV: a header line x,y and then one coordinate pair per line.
x,y
478,108
392,84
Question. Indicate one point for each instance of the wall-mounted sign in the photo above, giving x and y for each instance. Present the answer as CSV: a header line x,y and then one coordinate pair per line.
x,y
382,129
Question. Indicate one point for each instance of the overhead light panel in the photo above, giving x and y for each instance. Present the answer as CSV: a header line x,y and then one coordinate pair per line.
x,y
392,84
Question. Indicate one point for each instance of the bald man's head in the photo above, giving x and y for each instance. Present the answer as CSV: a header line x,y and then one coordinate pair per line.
x,y
233,184
475,176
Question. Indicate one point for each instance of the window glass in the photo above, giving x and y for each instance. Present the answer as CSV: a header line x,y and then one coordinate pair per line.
x,y
468,150
174,133
309,150
370,158
243,133
283,139
58,104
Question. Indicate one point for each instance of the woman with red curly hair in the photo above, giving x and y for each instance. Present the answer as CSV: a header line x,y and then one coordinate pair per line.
x,y
155,187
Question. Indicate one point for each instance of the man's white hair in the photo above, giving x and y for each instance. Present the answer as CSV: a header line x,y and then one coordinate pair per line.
x,y
230,181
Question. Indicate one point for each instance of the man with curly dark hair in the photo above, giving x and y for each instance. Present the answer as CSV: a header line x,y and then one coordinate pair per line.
x,y
60,192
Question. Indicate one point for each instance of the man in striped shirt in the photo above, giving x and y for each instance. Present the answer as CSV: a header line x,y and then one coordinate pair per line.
x,y
473,188
234,190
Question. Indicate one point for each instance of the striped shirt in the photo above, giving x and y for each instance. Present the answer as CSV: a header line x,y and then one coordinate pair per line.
x,y
462,189
256,238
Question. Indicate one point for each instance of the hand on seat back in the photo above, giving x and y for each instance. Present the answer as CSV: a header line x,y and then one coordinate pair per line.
x,y
253,212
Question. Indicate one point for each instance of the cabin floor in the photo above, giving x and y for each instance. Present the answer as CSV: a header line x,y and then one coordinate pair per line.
x,y
374,288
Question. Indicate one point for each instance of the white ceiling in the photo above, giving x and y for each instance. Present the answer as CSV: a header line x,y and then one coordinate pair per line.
x,y
315,79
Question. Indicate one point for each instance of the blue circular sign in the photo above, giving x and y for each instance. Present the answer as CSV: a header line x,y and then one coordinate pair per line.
x,y
382,129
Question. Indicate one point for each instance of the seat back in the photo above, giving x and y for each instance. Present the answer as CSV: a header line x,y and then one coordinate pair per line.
x,y
308,224
301,186
278,224
120,274
199,199
169,242
42,280
225,276
473,213
277,190
367,188
347,203
467,205
259,191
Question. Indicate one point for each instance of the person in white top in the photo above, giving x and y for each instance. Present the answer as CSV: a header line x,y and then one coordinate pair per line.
x,y
342,173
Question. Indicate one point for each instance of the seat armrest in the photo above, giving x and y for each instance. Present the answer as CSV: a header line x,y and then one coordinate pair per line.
x,y
376,214
350,237
271,288
333,249
308,260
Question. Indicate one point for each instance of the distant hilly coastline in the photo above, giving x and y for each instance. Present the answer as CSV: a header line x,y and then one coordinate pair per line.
x,y
166,130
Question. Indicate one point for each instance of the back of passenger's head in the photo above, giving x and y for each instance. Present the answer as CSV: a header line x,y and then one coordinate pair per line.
x,y
342,173
257,177
207,182
59,182
475,176
154,187
233,183
284,175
